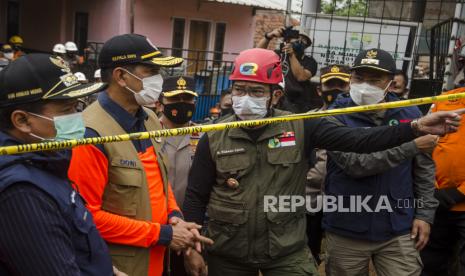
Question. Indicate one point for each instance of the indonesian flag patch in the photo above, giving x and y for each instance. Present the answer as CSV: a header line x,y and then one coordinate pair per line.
x,y
287,139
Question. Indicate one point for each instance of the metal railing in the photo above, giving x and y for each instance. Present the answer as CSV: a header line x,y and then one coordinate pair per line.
x,y
442,35
211,75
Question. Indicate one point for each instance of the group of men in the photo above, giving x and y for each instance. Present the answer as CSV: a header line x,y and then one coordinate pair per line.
x,y
151,207
70,53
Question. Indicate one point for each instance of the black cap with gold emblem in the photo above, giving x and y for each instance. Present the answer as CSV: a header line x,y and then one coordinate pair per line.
x,y
335,71
133,49
173,86
36,77
376,59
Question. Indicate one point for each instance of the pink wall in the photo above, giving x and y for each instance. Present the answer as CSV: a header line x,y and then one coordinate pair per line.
x,y
40,30
46,22
107,18
154,19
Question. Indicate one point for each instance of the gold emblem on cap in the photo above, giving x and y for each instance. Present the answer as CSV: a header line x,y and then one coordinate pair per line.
x,y
58,61
334,69
181,84
232,183
69,79
372,54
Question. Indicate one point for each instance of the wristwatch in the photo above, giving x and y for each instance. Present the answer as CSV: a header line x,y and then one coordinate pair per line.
x,y
415,124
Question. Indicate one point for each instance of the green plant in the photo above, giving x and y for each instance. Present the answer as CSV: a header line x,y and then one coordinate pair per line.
x,y
345,7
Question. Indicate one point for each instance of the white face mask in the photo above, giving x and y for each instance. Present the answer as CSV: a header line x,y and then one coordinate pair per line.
x,y
8,55
151,89
250,108
364,93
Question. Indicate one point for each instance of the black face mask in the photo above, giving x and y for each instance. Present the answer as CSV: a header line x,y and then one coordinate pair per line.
x,y
226,111
299,47
330,96
179,113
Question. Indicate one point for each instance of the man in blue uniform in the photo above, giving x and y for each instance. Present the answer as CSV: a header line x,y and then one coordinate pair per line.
x,y
46,229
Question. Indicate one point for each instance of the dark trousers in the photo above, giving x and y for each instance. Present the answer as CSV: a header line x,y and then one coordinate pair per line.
x,y
447,240
315,234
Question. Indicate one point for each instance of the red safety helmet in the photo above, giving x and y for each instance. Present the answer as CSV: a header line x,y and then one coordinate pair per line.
x,y
257,65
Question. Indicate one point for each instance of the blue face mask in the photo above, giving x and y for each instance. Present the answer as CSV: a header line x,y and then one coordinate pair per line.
x,y
67,127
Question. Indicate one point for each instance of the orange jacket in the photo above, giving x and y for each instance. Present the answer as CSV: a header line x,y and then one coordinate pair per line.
x,y
449,154
89,171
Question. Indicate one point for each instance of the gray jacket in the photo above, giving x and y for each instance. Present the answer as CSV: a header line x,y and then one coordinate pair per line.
x,y
362,165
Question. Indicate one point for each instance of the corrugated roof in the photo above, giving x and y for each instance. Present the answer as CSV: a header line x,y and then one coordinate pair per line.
x,y
266,4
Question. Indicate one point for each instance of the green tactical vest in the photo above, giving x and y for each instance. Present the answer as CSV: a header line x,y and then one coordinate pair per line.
x,y
126,192
238,223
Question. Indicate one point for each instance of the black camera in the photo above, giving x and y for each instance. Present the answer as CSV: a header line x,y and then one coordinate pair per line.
x,y
289,33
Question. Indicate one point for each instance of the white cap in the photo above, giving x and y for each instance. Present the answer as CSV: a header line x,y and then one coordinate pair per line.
x,y
97,74
80,76
71,46
59,48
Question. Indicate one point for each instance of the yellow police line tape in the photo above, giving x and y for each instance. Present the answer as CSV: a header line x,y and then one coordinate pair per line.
x,y
56,145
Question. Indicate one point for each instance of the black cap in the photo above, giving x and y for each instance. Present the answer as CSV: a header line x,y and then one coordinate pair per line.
x,y
376,59
36,77
173,86
133,49
335,71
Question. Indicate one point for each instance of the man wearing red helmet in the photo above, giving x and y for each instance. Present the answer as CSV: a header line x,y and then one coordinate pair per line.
x,y
237,174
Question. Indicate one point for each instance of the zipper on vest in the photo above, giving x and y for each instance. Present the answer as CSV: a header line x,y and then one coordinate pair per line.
x,y
256,210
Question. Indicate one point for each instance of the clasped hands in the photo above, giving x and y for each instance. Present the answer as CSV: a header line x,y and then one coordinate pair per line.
x,y
186,236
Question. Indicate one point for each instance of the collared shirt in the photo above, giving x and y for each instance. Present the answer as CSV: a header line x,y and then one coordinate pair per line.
x,y
130,123
180,151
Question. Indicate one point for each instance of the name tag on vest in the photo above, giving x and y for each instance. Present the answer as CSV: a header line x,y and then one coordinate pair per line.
x,y
128,163
230,152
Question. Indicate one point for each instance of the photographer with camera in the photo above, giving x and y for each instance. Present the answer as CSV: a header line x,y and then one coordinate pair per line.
x,y
298,68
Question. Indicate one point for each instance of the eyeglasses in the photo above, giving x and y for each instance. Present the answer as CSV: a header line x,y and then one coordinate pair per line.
x,y
255,92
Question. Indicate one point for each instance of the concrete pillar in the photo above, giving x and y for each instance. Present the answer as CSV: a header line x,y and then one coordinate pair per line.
x,y
309,7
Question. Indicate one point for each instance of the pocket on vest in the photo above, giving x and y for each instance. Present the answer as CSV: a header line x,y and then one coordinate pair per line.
x,y
286,232
284,156
123,191
228,229
233,163
123,257
87,241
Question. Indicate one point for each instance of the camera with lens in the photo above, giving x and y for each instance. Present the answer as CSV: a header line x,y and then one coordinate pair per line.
x,y
289,33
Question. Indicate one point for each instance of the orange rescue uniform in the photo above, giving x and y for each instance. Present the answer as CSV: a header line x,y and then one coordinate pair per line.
x,y
89,170
449,154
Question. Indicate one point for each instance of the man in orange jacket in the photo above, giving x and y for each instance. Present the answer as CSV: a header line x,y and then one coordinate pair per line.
x,y
125,184
448,230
